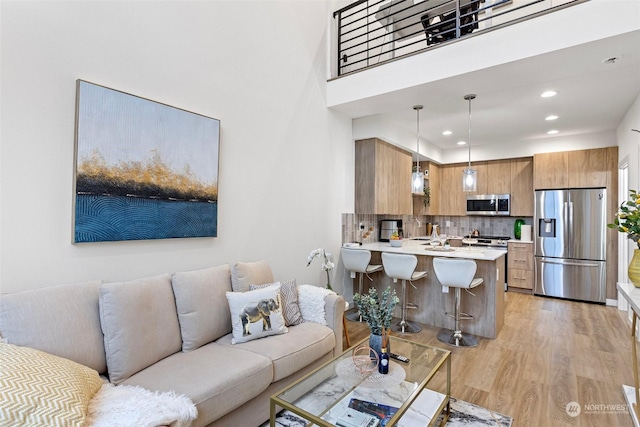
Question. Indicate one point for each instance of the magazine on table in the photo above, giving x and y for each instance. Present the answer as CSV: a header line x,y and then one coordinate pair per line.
x,y
384,413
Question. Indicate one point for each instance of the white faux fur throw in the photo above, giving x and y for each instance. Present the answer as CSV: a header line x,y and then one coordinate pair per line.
x,y
124,405
311,302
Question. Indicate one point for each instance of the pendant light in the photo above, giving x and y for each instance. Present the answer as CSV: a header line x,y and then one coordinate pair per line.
x,y
417,180
469,177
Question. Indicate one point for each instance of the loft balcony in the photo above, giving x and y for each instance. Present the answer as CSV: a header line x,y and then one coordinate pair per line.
x,y
372,32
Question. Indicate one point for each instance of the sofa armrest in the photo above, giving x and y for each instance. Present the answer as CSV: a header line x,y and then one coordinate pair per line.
x,y
334,306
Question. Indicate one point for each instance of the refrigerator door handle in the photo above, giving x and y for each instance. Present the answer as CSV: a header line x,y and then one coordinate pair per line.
x,y
570,222
578,264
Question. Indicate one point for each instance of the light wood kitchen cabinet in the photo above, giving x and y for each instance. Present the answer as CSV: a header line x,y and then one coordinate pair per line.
x,y
550,170
574,169
433,182
382,178
499,177
520,265
591,168
453,201
521,171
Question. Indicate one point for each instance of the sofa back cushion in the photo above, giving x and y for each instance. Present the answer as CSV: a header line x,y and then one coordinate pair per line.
x,y
202,306
245,274
61,320
140,324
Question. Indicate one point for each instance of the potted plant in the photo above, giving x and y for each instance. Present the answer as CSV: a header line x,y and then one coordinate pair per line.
x,y
377,311
327,263
628,221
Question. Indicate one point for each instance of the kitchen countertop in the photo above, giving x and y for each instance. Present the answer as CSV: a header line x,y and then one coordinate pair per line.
x,y
418,247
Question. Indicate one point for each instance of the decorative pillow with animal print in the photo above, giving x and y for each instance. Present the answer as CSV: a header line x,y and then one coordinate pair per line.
x,y
256,314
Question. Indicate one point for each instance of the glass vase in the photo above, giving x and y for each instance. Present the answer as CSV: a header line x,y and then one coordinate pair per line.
x,y
375,343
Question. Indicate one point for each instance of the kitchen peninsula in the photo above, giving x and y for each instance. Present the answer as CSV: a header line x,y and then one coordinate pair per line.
x,y
487,306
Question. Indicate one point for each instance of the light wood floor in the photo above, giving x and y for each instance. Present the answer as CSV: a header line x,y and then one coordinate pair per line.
x,y
550,352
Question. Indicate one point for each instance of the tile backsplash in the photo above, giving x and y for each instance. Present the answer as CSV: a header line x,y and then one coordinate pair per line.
x,y
417,225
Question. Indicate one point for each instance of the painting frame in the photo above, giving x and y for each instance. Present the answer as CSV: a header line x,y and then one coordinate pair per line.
x,y
143,170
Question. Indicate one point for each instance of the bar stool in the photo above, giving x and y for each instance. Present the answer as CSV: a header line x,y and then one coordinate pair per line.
x,y
399,266
457,273
357,261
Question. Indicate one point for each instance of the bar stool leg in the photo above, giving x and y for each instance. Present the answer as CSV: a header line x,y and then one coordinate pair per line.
x,y
457,337
357,317
404,326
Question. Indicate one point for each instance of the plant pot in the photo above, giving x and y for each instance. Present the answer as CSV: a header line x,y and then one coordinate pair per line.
x,y
634,269
375,343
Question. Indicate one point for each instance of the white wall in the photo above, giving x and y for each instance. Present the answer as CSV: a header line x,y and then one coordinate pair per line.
x,y
629,151
286,161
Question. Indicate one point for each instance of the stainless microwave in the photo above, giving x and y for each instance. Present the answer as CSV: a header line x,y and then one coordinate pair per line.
x,y
489,204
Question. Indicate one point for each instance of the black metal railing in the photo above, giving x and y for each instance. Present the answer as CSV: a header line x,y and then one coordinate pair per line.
x,y
371,32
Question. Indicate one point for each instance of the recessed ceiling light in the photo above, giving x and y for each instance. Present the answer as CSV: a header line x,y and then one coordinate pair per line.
x,y
549,94
462,142
551,117
447,132
552,132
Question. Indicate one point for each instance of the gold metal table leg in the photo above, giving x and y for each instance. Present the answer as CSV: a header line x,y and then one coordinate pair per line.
x,y
635,364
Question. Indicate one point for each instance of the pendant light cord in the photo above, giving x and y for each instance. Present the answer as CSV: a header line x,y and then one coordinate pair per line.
x,y
469,98
417,108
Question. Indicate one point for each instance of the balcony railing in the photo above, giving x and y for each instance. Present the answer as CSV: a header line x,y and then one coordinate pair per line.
x,y
372,32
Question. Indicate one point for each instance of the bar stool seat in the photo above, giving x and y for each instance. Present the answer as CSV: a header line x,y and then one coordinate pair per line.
x,y
459,274
357,261
401,266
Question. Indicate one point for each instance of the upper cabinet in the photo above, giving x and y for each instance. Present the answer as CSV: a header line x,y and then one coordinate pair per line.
x,y
453,200
432,181
521,171
592,168
550,170
499,177
508,176
575,169
383,178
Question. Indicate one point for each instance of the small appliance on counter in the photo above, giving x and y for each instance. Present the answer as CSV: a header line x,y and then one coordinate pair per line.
x,y
388,227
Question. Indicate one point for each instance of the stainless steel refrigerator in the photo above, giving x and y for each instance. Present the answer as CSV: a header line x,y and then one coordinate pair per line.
x,y
570,237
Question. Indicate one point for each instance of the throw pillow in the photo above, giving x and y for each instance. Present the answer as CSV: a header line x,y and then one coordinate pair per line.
x,y
243,274
311,301
256,314
37,388
289,296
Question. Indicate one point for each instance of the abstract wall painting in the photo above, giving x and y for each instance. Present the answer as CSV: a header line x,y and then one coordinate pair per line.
x,y
143,169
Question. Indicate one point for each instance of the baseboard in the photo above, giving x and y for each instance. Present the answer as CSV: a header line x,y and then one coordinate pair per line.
x,y
611,302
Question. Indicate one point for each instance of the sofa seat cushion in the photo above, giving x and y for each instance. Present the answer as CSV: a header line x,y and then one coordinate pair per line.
x,y
217,378
304,344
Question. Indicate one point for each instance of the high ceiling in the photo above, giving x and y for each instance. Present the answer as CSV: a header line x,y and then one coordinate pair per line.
x,y
596,84
594,93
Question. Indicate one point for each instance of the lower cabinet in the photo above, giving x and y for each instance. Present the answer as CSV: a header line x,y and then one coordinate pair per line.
x,y
520,265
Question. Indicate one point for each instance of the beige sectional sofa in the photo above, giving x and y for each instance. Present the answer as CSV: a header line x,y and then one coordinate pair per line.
x,y
175,332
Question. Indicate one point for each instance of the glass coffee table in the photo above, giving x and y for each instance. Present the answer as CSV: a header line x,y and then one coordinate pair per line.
x,y
413,394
